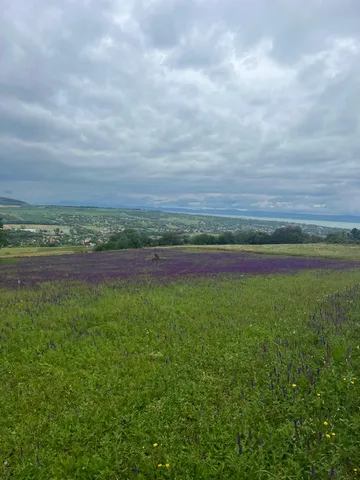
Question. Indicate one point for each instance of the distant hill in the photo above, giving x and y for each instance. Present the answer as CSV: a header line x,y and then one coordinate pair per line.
x,y
11,202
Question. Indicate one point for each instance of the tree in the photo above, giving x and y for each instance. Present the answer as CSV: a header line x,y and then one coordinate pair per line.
x,y
288,235
337,237
204,239
3,241
355,235
226,238
170,238
241,238
128,238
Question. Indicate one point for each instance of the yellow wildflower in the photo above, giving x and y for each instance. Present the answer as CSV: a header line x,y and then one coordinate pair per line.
x,y
167,465
159,465
333,434
326,423
155,444
318,394
345,379
293,385
327,436
352,383
355,469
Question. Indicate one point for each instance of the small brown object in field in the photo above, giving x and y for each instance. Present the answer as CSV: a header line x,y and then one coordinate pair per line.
x,y
155,257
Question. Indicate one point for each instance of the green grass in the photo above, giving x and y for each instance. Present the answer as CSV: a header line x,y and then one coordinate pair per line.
x,y
9,252
91,378
319,250
6,261
36,226
345,252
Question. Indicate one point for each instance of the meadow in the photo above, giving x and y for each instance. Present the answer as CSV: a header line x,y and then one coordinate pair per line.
x,y
215,365
19,252
310,250
37,226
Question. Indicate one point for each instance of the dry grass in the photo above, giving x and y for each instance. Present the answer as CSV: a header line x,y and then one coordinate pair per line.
x,y
35,226
320,250
17,252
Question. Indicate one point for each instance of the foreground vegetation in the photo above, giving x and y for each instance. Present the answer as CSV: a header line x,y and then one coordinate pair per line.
x,y
232,377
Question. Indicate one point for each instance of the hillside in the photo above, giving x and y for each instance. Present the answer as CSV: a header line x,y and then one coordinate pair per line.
x,y
11,202
148,221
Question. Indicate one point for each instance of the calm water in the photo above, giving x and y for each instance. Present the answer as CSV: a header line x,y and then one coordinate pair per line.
x,y
322,223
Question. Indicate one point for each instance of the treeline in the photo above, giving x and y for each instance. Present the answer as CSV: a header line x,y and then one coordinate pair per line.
x,y
3,239
16,238
130,238
344,237
283,235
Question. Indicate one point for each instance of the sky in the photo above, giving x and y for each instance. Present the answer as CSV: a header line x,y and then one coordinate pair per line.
x,y
248,104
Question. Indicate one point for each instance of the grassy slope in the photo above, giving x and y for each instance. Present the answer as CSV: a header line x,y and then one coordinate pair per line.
x,y
320,250
345,252
37,226
14,252
91,380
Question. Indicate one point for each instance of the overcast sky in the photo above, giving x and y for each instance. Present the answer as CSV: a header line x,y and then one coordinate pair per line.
x,y
252,104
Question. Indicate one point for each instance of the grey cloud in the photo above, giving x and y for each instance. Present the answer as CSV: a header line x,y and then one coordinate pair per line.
x,y
165,23
210,103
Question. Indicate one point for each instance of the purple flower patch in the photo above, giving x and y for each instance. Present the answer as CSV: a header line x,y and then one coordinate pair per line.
x,y
100,267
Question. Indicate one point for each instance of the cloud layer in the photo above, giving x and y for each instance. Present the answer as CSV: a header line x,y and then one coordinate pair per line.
x,y
213,103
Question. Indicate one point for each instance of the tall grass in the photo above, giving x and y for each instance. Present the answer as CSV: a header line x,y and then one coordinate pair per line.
x,y
317,250
32,251
229,378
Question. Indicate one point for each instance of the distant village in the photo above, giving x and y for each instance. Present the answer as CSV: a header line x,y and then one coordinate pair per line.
x,y
63,226
55,236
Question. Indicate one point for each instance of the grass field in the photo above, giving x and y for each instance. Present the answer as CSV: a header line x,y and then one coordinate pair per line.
x,y
38,251
318,250
225,377
37,226
345,252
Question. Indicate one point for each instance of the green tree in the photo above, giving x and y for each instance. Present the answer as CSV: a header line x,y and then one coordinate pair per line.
x,y
170,238
337,237
355,235
226,238
241,237
204,239
314,239
288,235
3,241
128,238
